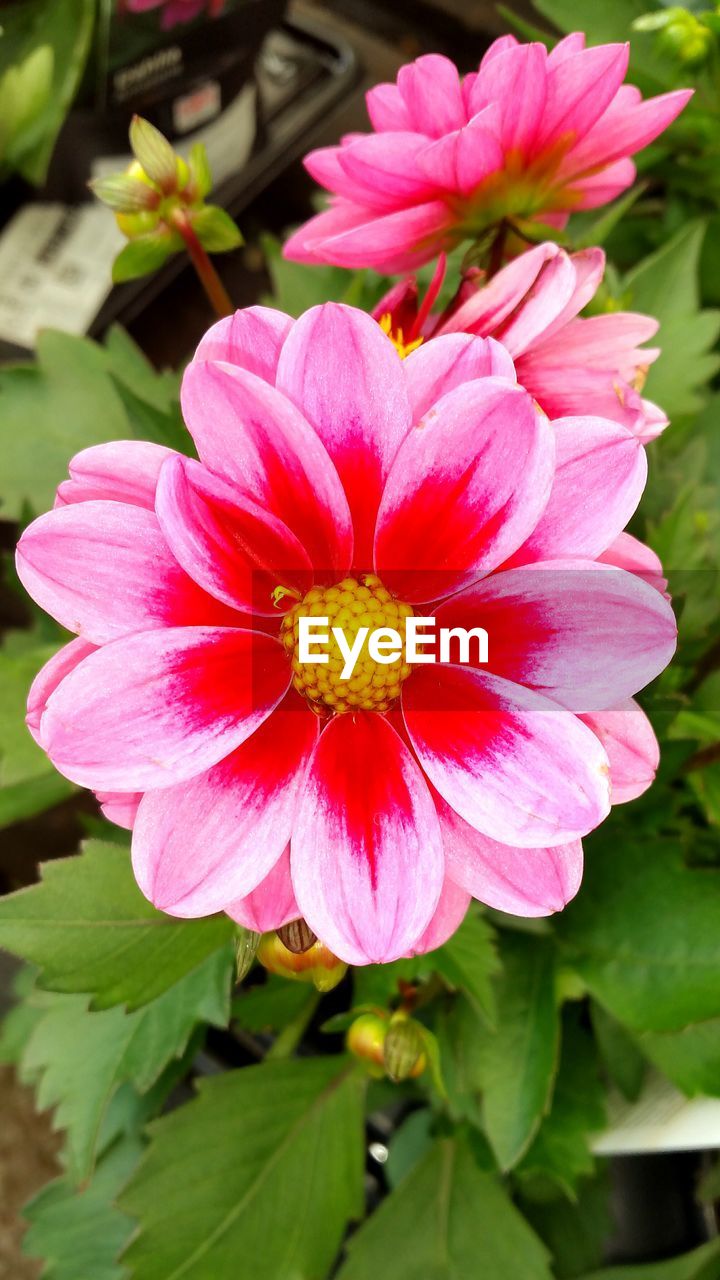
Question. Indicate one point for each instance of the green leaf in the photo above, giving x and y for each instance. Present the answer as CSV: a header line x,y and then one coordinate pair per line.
x,y
215,229
701,1264
64,31
143,255
448,1220
666,285
588,229
265,1165
28,782
574,1231
81,1233
560,1150
133,371
89,929
690,1058
269,1007
79,1059
642,933
468,961
620,1055
518,1060
48,411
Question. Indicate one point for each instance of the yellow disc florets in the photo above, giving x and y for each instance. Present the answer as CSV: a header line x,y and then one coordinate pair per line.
x,y
397,338
351,604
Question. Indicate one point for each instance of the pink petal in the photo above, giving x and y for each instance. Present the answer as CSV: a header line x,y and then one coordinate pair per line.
x,y
350,236
250,433
632,749
627,126
580,633
104,570
589,268
516,79
157,708
387,109
601,187
385,166
272,904
498,46
339,368
366,855
48,679
120,807
545,299
485,310
580,87
461,160
229,545
523,882
627,552
610,342
512,763
251,338
206,842
569,44
122,471
326,166
439,366
449,915
430,89
599,479
476,470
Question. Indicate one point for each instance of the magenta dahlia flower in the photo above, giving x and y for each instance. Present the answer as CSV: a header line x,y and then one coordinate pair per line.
x,y
339,481
570,365
175,12
531,134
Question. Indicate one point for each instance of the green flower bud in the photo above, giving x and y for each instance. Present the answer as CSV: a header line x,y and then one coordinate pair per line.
x,y
317,965
125,193
366,1040
404,1052
246,945
155,154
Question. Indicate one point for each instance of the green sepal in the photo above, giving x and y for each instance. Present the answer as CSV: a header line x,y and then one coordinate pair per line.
x,y
215,229
144,255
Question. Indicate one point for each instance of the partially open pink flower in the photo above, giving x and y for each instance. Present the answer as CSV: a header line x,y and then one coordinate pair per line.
x,y
337,479
570,365
529,135
175,12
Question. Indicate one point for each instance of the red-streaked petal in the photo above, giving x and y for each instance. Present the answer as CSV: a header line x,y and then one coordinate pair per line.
x,y
515,765
122,471
104,570
272,904
439,366
488,307
230,546
341,371
252,435
467,487
206,842
523,882
366,855
580,633
599,478
154,709
251,338
632,749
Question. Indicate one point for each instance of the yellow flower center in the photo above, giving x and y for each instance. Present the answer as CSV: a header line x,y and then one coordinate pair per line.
x,y
402,347
349,605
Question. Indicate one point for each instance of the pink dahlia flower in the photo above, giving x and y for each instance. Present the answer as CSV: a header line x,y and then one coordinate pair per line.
x,y
175,12
336,479
529,135
570,365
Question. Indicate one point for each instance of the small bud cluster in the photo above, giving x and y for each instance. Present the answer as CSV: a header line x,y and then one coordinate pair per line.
x,y
682,35
313,963
388,1044
159,203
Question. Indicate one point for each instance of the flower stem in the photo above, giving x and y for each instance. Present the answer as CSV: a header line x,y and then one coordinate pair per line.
x,y
207,275
497,251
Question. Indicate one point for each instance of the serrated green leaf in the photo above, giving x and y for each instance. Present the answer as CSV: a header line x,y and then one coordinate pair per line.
x,y
266,1164
468,961
48,411
689,1058
642,933
89,929
80,1233
574,1231
448,1220
561,1151
216,230
78,1059
527,1035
